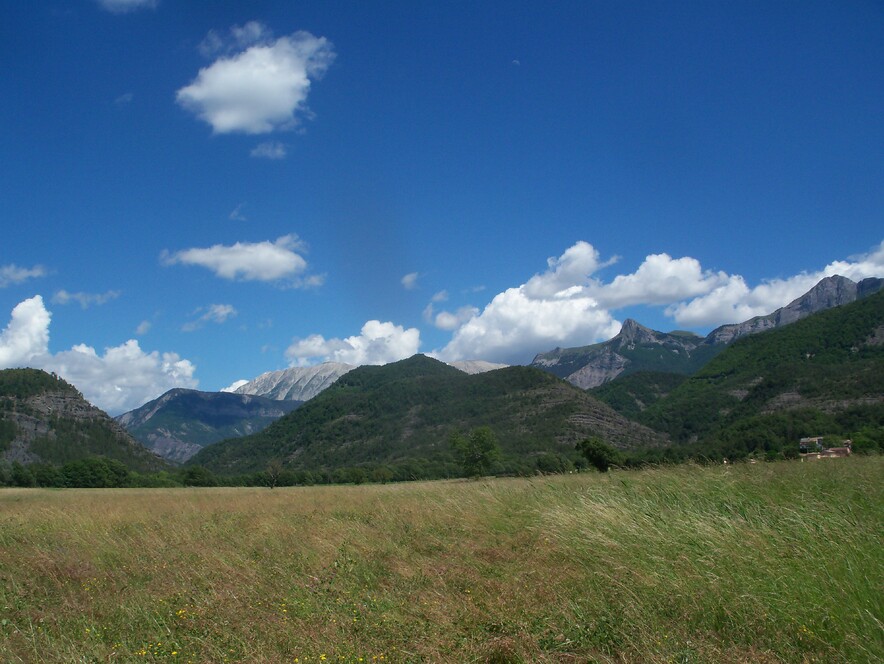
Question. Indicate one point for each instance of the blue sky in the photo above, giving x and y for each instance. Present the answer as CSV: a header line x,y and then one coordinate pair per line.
x,y
199,192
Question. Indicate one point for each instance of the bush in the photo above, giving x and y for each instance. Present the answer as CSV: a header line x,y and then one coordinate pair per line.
x,y
599,454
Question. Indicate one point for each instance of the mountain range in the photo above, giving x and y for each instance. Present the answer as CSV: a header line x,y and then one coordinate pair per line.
x,y
823,373
638,348
768,379
405,413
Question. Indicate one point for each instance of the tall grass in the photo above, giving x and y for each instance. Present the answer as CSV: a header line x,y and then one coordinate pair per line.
x,y
756,563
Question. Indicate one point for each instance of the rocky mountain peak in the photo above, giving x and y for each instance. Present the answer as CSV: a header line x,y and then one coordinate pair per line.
x,y
829,292
632,331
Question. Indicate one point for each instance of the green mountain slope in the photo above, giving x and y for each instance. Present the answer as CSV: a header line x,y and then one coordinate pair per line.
x,y
631,393
43,419
181,422
826,370
406,412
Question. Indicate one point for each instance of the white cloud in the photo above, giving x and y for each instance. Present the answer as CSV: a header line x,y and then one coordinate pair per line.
x,y
121,379
235,385
124,99
85,300
660,279
237,214
252,32
126,6
513,327
446,320
211,45
259,261
214,313
571,269
143,327
13,274
26,337
260,89
409,281
733,301
441,296
269,150
377,343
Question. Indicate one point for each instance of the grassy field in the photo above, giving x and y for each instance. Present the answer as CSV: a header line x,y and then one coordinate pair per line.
x,y
778,562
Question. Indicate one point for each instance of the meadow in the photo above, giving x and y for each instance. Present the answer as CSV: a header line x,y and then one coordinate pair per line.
x,y
776,562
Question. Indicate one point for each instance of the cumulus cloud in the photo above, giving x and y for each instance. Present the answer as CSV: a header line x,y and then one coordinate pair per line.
x,y
513,327
214,313
122,378
660,279
26,337
733,300
13,274
235,385
85,300
269,150
126,6
143,328
565,273
247,261
553,308
409,281
377,343
259,87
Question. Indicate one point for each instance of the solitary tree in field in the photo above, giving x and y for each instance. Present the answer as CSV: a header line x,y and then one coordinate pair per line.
x,y
598,453
273,471
477,452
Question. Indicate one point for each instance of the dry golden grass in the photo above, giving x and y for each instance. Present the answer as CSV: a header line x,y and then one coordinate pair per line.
x,y
765,563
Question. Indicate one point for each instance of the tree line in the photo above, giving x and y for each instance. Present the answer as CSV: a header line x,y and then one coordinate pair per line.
x,y
477,453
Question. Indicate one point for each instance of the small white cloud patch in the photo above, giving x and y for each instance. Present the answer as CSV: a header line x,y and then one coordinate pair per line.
x,y
126,6
409,281
214,313
260,89
269,150
13,274
246,261
85,300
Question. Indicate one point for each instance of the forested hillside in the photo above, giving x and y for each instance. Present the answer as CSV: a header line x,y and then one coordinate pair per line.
x,y
823,374
403,414
43,419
